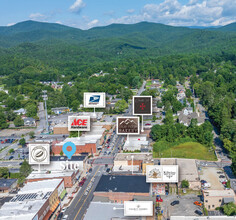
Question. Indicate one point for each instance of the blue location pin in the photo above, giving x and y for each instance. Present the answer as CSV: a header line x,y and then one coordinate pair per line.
x,y
66,152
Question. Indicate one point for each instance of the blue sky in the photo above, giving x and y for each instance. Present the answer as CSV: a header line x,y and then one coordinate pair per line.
x,y
85,14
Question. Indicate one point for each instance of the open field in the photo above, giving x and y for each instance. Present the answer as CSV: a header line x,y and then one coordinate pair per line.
x,y
190,150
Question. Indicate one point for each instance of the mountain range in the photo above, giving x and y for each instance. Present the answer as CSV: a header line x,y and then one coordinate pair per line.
x,y
115,40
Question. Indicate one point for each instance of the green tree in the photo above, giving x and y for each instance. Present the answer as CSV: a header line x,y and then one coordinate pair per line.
x,y
11,151
188,93
25,169
154,118
3,121
120,106
61,153
184,184
4,172
18,121
75,105
31,110
229,209
11,115
31,134
22,141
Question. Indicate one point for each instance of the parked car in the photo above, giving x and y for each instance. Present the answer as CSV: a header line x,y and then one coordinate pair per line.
x,y
220,172
197,203
221,176
203,181
198,212
90,170
64,209
176,202
81,183
207,185
65,217
147,124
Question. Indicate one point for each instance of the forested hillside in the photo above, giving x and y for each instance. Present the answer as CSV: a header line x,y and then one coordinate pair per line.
x,y
34,52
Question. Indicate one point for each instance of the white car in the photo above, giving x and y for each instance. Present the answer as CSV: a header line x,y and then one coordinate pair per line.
x,y
65,217
64,209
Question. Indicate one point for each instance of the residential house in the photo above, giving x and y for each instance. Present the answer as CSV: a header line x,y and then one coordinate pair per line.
x,y
29,122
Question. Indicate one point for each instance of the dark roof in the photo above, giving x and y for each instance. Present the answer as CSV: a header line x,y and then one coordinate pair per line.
x,y
6,183
118,183
64,158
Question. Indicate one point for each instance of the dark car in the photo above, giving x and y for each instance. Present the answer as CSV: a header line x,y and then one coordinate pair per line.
x,y
198,212
60,216
108,170
222,176
203,181
219,172
90,170
176,202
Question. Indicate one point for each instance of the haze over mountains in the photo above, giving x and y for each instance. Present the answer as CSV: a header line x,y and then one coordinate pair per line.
x,y
117,39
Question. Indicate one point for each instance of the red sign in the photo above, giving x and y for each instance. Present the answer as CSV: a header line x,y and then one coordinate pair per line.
x,y
79,122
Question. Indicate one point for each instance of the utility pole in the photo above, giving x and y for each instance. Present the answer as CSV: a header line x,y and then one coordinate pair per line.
x,y
45,98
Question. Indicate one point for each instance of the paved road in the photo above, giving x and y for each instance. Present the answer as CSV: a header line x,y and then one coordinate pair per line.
x,y
82,200
225,162
42,121
78,208
129,111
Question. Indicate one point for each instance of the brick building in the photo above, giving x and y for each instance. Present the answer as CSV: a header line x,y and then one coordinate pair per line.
x,y
120,188
69,177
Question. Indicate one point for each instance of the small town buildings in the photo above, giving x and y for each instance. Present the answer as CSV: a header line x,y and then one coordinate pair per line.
x,y
29,122
135,161
187,114
187,171
120,188
60,110
20,111
89,142
37,200
7,185
136,143
69,177
217,198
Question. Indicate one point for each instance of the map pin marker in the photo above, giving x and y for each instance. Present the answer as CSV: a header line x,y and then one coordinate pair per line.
x,y
66,152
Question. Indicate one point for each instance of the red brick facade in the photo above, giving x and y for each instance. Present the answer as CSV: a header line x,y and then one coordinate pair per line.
x,y
119,197
87,148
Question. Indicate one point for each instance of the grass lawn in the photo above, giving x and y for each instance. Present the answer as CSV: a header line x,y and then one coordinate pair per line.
x,y
148,83
190,150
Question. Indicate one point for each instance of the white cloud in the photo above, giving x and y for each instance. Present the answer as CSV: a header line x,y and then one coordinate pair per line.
x,y
93,23
194,13
10,24
37,16
130,11
77,6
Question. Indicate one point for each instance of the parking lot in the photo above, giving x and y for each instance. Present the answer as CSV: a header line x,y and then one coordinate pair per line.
x,y
211,176
15,132
186,205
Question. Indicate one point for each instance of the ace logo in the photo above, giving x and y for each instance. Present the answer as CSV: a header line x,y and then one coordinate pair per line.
x,y
79,123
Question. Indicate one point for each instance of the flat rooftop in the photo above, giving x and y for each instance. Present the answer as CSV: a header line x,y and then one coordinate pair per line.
x,y
53,174
40,186
146,157
221,193
20,210
96,211
123,183
187,168
6,183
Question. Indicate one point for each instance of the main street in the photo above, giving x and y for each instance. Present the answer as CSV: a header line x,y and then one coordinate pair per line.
x,y
80,204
